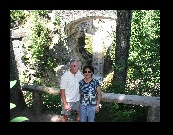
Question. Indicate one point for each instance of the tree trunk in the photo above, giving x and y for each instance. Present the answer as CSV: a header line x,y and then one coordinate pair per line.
x,y
123,30
16,95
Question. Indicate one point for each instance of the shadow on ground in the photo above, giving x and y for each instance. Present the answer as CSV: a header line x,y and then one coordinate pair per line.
x,y
45,117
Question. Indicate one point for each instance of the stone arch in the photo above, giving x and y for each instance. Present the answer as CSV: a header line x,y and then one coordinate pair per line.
x,y
72,26
75,27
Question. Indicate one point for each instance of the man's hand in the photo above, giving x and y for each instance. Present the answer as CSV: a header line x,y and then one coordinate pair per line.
x,y
67,107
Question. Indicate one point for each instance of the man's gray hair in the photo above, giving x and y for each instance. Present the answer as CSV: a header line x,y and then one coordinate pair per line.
x,y
72,60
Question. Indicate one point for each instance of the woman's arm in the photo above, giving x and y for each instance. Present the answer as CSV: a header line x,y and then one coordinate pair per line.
x,y
99,96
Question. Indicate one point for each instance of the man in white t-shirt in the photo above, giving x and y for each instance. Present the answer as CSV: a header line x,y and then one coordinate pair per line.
x,y
69,90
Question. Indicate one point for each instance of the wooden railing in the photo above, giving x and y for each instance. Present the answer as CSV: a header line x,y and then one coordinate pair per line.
x,y
153,103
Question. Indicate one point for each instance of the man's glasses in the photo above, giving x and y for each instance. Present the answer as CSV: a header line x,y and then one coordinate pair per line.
x,y
87,71
74,65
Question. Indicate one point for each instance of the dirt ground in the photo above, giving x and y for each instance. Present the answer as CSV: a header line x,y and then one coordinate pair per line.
x,y
45,117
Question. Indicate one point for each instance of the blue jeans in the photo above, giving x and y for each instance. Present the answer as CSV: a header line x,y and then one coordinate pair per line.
x,y
87,111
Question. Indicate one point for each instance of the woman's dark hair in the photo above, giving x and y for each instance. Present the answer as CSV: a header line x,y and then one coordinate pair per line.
x,y
88,66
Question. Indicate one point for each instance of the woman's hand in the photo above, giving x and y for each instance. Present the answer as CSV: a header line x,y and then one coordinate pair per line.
x,y
97,109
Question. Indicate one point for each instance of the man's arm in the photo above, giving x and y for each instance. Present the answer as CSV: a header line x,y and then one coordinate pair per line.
x,y
62,92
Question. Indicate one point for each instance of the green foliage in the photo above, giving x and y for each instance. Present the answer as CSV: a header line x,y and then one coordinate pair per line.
x,y
122,112
117,112
57,20
17,15
143,74
89,43
51,103
141,113
12,105
17,119
41,13
144,57
12,83
118,90
38,44
28,98
114,113
143,77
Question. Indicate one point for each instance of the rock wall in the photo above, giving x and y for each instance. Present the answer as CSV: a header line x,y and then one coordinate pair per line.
x,y
70,47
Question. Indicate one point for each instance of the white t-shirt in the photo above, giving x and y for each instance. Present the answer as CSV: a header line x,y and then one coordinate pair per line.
x,y
70,83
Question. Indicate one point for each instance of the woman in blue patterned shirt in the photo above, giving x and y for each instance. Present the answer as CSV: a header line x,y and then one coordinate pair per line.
x,y
90,95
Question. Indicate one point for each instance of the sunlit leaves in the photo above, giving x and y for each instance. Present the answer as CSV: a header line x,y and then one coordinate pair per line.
x,y
144,53
12,83
12,105
19,119
17,15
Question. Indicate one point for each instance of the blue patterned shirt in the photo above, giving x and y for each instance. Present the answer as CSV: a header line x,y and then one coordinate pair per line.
x,y
89,92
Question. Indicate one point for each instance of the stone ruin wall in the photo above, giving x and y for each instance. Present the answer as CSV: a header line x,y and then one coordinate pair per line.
x,y
74,51
18,40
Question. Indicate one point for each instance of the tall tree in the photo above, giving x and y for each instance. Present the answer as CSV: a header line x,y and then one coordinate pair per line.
x,y
16,95
123,32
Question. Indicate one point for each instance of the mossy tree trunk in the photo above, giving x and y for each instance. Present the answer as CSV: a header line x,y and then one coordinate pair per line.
x,y
123,32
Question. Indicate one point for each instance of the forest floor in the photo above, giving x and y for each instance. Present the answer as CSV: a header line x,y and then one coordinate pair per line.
x,y
45,117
